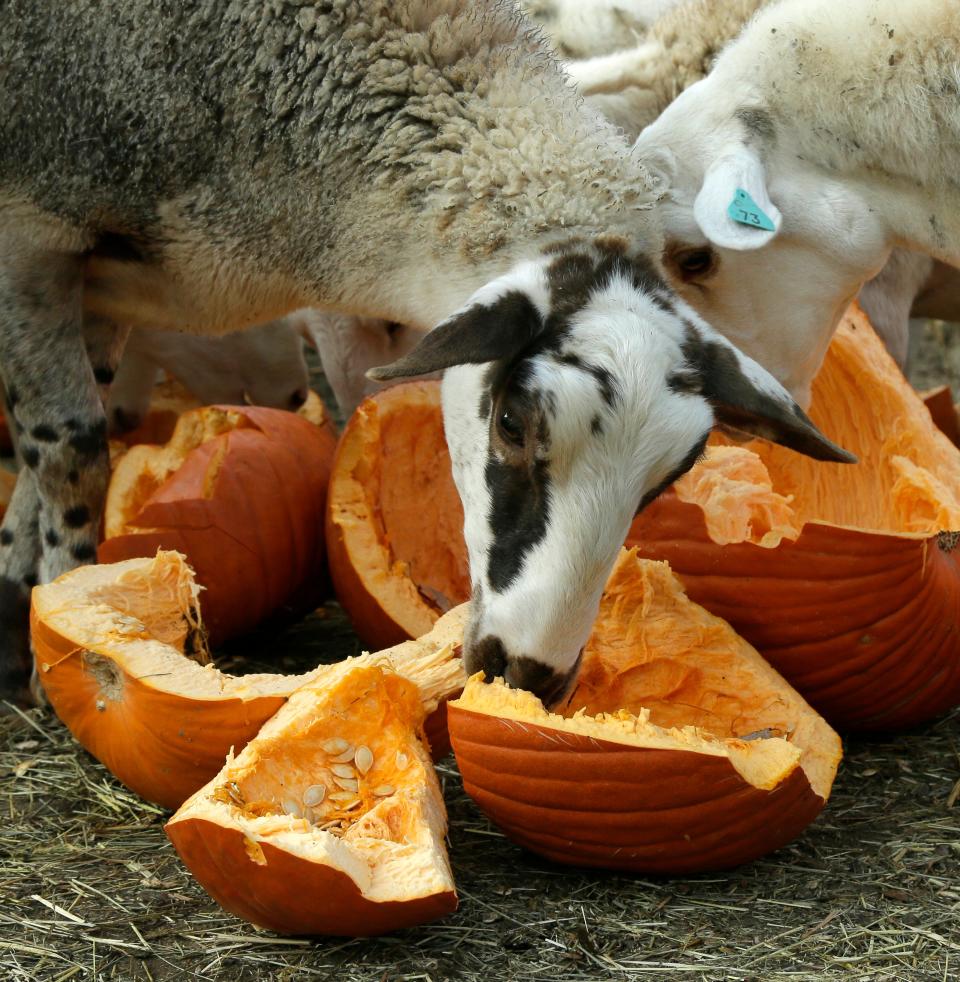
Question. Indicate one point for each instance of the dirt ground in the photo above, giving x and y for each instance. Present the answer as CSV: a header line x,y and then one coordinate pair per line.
x,y
90,888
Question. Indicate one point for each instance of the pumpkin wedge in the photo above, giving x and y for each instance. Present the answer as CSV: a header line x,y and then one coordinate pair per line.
x,y
331,820
240,491
116,650
680,750
394,518
845,577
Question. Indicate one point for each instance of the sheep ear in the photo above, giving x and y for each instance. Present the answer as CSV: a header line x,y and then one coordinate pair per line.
x,y
479,333
733,208
747,398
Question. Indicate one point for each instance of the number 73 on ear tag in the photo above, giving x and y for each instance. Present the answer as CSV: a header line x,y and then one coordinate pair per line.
x,y
746,211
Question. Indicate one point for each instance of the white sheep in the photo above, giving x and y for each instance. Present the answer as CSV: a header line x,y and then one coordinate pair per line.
x,y
262,365
835,131
583,28
421,161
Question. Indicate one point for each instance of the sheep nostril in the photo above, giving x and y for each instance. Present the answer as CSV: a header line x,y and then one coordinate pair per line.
x,y
298,398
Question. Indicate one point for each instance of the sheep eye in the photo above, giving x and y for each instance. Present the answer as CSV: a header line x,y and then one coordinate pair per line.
x,y
511,428
695,263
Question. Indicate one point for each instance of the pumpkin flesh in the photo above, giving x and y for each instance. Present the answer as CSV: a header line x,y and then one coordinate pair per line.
x,y
845,577
679,750
394,518
331,820
114,650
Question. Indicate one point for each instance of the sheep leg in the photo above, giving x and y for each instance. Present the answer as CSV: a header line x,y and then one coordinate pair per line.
x,y
55,408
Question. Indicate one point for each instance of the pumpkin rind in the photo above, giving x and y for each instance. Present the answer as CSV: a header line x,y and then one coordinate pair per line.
x,y
679,750
588,802
246,508
165,734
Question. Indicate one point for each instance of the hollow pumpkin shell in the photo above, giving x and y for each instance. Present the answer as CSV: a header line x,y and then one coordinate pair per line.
x,y
240,491
845,577
331,820
679,751
109,645
394,520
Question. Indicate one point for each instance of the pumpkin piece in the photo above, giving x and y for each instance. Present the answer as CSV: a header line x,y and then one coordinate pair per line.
x,y
331,820
845,577
118,648
943,411
8,481
240,491
170,400
680,750
394,518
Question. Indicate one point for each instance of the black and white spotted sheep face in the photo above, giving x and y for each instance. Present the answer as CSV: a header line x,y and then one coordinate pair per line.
x,y
576,388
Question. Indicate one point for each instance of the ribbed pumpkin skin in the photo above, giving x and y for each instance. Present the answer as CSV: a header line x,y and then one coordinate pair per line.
x,y
162,747
255,539
863,625
587,802
288,894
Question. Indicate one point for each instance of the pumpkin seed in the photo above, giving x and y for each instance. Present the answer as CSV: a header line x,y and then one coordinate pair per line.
x,y
402,760
347,783
343,770
363,758
335,746
384,791
345,757
314,795
292,807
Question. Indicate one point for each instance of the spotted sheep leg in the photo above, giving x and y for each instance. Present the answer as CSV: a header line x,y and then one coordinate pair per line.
x,y
56,413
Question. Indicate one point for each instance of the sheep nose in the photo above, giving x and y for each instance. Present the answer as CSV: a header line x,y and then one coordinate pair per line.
x,y
488,656
298,398
549,684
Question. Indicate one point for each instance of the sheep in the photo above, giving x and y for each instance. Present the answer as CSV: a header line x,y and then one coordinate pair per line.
x,y
421,161
841,125
262,365
583,28
632,86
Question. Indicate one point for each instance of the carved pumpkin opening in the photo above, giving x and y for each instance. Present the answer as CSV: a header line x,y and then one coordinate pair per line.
x,y
331,820
680,748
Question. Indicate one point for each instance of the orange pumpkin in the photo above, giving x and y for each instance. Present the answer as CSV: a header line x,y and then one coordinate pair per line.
x,y
680,750
331,820
240,491
845,577
118,651
394,519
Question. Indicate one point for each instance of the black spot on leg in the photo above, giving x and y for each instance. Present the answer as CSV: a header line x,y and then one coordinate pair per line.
x,y
51,537
13,397
30,456
6,537
77,516
73,477
45,433
103,374
83,551
90,441
30,580
596,426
